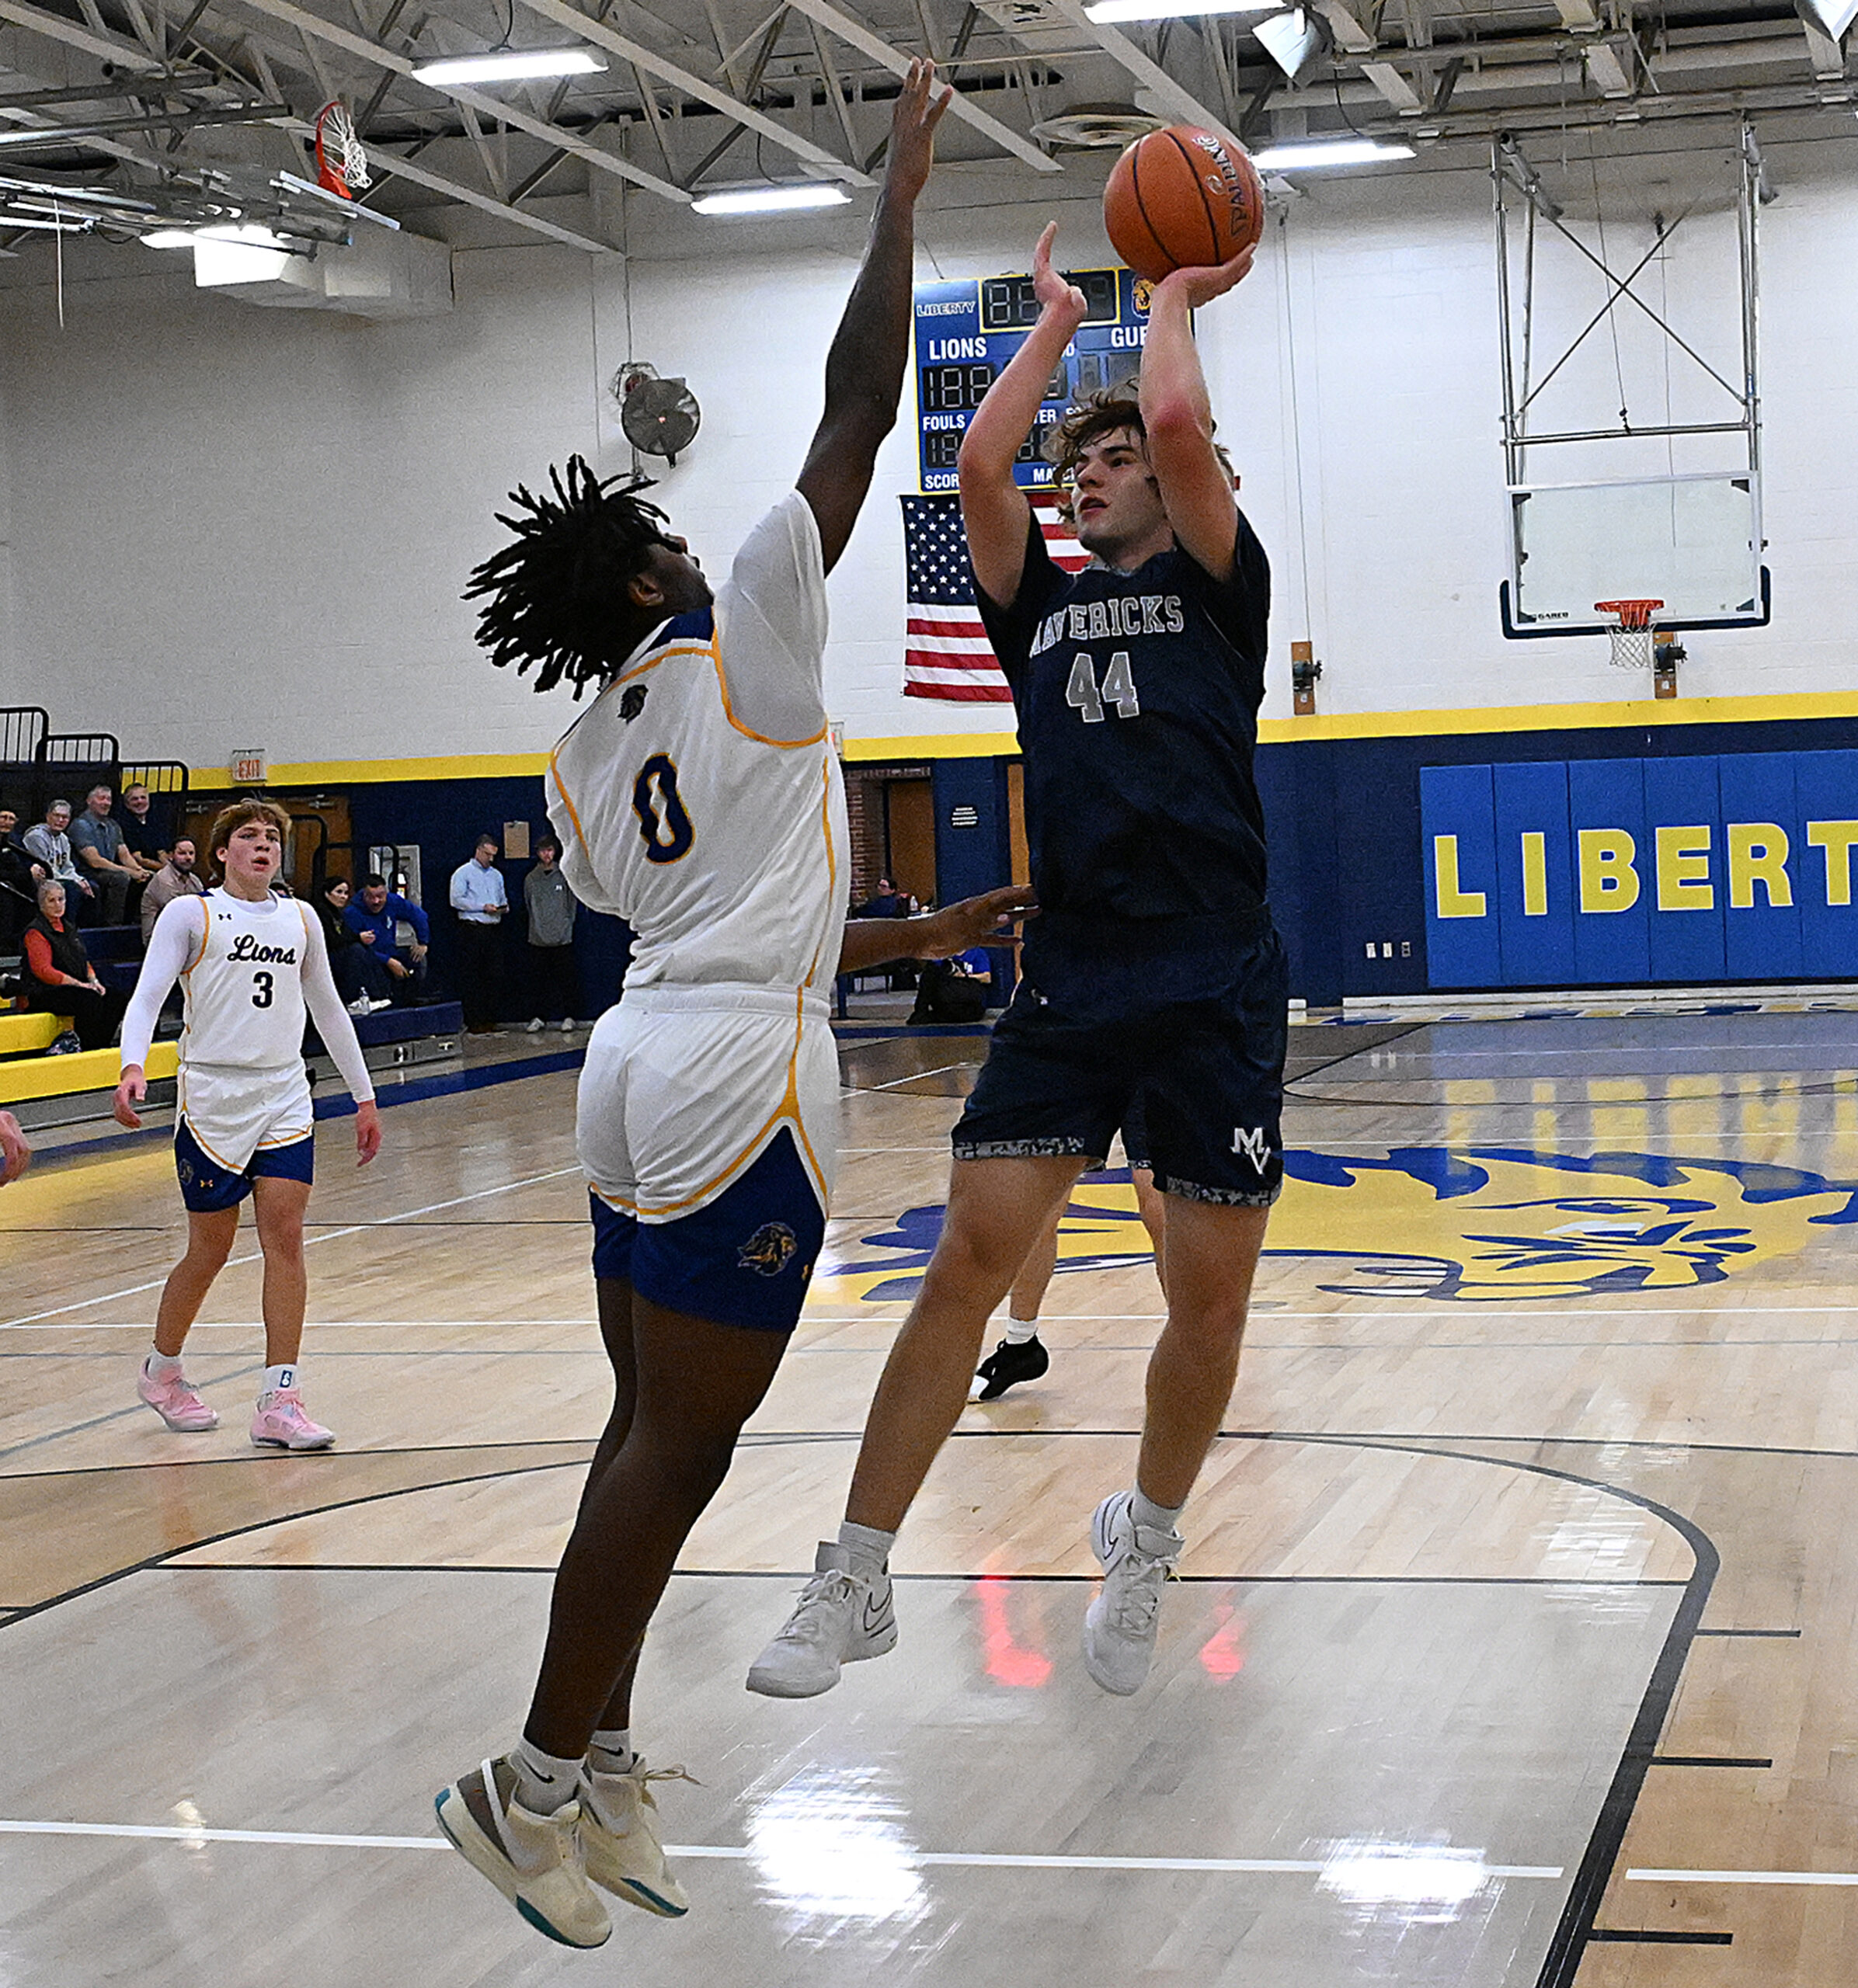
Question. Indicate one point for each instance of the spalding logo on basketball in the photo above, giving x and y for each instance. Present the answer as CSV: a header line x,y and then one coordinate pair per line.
x,y
1182,199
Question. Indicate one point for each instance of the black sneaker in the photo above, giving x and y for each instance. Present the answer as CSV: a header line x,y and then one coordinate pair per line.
x,y
1007,1364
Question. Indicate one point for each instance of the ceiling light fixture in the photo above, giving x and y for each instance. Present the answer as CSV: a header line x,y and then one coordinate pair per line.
x,y
169,237
1338,151
508,65
1831,17
1173,10
770,199
1293,41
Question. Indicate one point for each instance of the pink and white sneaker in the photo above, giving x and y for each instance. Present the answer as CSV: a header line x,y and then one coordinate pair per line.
x,y
279,1423
174,1402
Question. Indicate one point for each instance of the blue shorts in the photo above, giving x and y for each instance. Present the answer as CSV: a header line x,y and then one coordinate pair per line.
x,y
1203,1079
207,1188
746,1259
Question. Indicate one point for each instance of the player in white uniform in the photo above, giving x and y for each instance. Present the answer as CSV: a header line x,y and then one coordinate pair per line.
x,y
699,798
252,966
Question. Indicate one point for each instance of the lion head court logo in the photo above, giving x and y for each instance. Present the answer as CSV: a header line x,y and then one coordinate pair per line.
x,y
769,1251
1468,1224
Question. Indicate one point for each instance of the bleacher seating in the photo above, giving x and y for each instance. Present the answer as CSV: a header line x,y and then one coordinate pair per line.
x,y
26,1035
29,1078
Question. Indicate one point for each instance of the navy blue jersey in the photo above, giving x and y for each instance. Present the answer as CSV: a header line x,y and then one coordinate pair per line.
x,y
1137,697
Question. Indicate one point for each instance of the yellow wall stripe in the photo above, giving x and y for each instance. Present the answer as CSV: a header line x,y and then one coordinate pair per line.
x,y
1636,714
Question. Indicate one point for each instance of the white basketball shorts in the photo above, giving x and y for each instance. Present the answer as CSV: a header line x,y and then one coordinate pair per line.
x,y
232,1111
684,1086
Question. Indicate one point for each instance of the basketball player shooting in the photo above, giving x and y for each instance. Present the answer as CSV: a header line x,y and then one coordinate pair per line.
x,y
1153,976
253,965
700,799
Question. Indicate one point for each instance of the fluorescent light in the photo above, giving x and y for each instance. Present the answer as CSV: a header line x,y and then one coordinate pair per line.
x,y
1831,17
503,64
1173,10
770,199
169,237
1338,151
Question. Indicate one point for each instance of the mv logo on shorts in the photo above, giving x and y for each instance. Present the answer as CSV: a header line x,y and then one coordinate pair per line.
x,y
1254,1142
769,1251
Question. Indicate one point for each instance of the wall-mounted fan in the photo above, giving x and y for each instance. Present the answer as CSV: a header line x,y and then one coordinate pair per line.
x,y
659,417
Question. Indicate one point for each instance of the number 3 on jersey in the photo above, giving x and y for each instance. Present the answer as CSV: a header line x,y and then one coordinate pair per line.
x,y
1082,694
664,824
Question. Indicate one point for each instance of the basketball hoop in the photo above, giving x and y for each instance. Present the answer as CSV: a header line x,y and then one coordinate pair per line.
x,y
341,162
1631,632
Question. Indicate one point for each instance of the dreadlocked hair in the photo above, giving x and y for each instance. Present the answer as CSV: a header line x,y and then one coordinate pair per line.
x,y
554,597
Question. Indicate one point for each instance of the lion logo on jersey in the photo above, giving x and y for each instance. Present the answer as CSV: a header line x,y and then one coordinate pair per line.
x,y
1469,1225
632,701
769,1251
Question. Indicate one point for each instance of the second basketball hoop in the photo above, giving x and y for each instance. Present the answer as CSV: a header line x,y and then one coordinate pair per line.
x,y
341,160
1630,631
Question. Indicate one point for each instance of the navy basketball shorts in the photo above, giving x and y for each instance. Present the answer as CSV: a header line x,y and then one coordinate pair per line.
x,y
744,1259
209,1188
1203,1079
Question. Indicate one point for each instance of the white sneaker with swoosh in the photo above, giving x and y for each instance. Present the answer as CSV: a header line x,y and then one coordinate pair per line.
x,y
843,1616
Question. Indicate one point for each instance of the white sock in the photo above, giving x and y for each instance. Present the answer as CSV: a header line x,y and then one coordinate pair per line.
x,y
612,1752
276,1379
1020,1330
544,1783
869,1548
1145,1511
162,1366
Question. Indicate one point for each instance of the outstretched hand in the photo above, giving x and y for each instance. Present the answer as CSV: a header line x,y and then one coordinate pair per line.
x,y
1052,292
1199,286
972,922
920,108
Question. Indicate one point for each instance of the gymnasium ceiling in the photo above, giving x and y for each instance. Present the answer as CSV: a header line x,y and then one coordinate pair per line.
x,y
189,109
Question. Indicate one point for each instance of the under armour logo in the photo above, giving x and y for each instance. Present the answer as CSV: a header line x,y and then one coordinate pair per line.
x,y
633,702
1254,1142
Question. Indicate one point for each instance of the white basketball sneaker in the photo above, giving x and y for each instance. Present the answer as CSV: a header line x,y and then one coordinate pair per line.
x,y
841,1617
1119,1626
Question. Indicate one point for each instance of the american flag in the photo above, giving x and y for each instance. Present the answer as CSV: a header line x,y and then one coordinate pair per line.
x,y
947,653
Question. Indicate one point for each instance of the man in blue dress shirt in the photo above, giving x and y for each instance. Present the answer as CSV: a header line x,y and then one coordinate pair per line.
x,y
477,896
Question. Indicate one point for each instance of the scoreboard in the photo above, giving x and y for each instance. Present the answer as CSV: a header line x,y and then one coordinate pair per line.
x,y
967,331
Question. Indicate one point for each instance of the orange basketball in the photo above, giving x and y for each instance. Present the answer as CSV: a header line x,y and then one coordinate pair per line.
x,y
1182,199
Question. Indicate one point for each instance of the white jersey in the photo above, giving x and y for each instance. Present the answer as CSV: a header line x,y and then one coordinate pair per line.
x,y
699,797
243,985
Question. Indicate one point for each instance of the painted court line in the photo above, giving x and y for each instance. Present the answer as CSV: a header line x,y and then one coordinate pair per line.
x,y
1846,1877
958,1859
328,1235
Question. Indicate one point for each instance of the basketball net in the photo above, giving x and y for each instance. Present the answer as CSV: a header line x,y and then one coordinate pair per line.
x,y
1630,633
341,162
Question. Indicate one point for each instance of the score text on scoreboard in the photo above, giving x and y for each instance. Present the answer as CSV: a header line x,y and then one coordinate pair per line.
x,y
967,331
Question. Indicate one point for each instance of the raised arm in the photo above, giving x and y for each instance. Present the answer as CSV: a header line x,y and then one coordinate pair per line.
x,y
1196,492
994,507
865,368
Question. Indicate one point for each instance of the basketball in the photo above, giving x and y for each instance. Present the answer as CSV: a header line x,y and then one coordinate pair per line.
x,y
1182,199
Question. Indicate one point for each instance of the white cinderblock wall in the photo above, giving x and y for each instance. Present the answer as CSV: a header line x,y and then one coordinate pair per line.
x,y
223,526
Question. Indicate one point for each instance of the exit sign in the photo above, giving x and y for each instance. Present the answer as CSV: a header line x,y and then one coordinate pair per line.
x,y
249,766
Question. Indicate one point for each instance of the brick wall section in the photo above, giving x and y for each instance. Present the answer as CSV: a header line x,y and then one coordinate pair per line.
x,y
864,812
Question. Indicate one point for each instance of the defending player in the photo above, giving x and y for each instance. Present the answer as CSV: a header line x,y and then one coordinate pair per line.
x,y
1153,973
698,797
252,965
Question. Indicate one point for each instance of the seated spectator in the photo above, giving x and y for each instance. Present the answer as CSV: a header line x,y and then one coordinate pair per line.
x,y
96,841
954,990
177,878
47,842
887,902
60,979
21,874
361,979
145,830
375,921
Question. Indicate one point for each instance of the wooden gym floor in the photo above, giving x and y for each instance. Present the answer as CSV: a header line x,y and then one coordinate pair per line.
x,y
1514,1643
